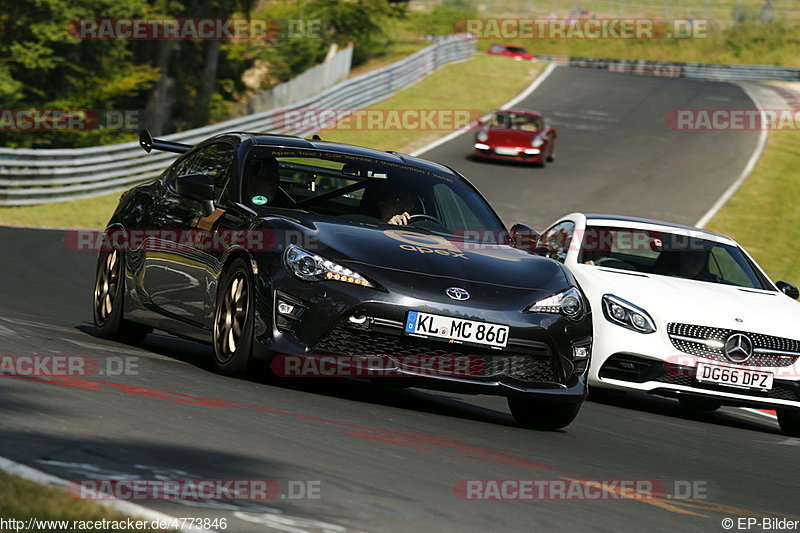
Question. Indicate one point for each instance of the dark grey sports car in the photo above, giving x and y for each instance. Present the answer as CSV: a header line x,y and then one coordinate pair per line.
x,y
266,246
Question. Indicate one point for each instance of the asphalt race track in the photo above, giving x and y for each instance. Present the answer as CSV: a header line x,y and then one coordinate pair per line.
x,y
615,155
387,459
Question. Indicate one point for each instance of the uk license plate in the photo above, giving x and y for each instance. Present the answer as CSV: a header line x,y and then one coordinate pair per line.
x,y
733,376
457,329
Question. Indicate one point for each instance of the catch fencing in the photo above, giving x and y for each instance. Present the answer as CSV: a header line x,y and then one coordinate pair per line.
x,y
37,176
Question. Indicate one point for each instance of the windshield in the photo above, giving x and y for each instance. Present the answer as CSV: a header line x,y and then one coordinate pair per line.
x,y
516,50
669,254
365,190
516,121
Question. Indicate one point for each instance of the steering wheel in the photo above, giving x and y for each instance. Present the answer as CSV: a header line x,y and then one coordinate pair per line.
x,y
420,216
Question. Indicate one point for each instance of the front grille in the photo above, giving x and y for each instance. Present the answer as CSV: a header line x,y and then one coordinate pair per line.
x,y
534,365
771,346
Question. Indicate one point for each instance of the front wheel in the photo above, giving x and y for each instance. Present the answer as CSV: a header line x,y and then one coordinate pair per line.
x,y
534,414
233,320
789,420
109,301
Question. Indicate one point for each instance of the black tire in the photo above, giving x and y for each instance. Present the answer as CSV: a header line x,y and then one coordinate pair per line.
x,y
699,404
552,157
533,414
234,316
108,301
789,420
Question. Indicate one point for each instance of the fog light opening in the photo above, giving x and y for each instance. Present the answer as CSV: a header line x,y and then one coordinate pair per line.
x,y
357,319
580,352
285,308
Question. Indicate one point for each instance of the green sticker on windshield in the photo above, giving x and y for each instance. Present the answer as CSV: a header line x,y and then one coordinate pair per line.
x,y
259,200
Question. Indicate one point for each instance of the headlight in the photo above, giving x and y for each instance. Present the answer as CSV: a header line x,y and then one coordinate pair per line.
x,y
482,136
627,315
568,303
311,267
537,142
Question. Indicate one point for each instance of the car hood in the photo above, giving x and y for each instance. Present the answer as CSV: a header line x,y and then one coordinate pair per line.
x,y
508,137
374,250
668,299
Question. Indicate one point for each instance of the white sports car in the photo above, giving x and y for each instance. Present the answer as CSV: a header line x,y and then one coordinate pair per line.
x,y
683,312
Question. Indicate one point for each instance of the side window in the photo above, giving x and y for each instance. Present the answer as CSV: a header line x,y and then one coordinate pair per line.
x,y
178,169
216,161
557,239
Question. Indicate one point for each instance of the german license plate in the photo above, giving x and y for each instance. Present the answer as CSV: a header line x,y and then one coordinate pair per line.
x,y
457,329
733,376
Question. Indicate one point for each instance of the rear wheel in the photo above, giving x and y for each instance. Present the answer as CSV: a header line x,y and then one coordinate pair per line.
x,y
534,414
552,157
233,320
109,301
699,404
789,420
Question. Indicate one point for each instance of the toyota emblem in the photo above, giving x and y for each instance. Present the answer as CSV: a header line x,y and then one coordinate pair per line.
x,y
457,293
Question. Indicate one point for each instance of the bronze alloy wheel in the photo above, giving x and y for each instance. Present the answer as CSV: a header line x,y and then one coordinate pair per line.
x,y
231,316
106,287
234,316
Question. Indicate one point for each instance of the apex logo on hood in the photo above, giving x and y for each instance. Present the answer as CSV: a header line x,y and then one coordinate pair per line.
x,y
425,244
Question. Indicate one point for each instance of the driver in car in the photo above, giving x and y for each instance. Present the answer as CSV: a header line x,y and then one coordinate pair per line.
x,y
394,205
690,264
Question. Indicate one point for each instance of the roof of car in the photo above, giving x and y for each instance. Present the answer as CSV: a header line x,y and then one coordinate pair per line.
x,y
266,139
520,111
591,217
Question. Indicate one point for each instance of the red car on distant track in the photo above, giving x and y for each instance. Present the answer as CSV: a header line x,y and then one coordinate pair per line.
x,y
510,50
516,135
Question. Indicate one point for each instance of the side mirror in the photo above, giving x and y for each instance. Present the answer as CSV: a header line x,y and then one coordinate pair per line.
x,y
788,289
524,237
197,187
480,122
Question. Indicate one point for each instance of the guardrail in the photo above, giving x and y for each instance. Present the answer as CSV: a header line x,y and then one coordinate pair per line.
x,y
36,176
682,70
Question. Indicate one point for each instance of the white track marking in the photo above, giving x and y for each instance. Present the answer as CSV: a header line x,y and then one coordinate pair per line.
x,y
759,412
748,168
125,507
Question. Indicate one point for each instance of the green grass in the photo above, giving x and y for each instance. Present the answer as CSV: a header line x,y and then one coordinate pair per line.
x,y
750,43
86,213
21,499
451,87
722,11
763,215
734,36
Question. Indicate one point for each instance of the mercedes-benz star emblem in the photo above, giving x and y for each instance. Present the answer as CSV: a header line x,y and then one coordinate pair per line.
x,y
457,293
738,348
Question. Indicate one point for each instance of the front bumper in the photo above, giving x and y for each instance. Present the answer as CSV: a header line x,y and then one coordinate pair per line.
x,y
538,359
521,156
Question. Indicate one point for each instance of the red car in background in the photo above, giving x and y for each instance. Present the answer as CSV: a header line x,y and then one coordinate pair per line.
x,y
509,50
516,135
